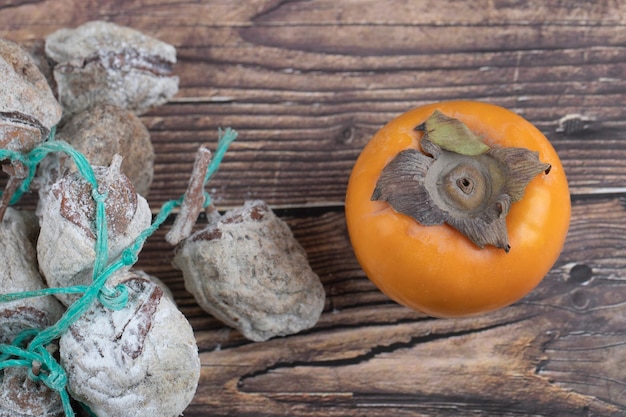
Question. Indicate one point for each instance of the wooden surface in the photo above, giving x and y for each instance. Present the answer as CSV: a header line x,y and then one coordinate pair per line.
x,y
306,83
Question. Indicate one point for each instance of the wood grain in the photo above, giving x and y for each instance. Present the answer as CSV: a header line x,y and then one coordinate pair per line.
x,y
558,352
306,84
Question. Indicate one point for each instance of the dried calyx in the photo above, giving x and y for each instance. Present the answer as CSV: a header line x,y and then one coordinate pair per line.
x,y
464,182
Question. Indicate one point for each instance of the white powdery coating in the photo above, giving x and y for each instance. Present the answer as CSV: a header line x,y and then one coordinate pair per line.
x,y
248,270
21,397
141,360
19,273
66,254
163,286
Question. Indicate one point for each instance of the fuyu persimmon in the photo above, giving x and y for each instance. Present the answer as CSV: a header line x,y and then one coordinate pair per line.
x,y
457,208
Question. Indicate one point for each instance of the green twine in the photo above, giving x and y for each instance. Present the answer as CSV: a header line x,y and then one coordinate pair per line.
x,y
28,348
225,139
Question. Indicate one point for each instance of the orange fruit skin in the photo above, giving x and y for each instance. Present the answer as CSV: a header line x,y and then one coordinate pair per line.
x,y
436,269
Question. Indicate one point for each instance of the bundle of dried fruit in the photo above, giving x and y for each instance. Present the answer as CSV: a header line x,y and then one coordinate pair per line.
x,y
104,75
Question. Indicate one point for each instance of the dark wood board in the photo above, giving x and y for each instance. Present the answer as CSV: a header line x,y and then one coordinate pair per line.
x,y
306,84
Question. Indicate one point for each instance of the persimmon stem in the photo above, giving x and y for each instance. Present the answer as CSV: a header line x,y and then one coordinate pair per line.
x,y
193,199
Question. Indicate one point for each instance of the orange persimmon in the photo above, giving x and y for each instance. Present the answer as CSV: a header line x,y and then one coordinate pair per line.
x,y
450,257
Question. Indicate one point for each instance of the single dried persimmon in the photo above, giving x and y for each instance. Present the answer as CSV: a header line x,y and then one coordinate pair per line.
x,y
457,208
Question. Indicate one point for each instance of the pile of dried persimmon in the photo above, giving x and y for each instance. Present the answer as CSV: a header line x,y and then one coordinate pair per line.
x,y
78,323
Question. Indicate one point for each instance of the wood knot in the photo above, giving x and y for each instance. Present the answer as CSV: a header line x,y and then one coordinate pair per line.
x,y
346,136
580,273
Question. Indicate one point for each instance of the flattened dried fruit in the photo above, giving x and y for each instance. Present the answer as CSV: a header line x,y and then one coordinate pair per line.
x,y
66,245
19,273
100,133
19,396
141,360
248,270
101,62
28,109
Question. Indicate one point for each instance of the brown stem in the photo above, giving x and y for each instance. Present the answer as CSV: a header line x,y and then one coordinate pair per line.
x,y
193,199
212,214
36,367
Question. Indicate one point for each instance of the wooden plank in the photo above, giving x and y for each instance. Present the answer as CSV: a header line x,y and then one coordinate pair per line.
x,y
558,352
305,158
307,84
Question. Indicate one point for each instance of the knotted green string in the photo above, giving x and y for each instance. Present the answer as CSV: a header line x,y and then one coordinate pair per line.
x,y
28,348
